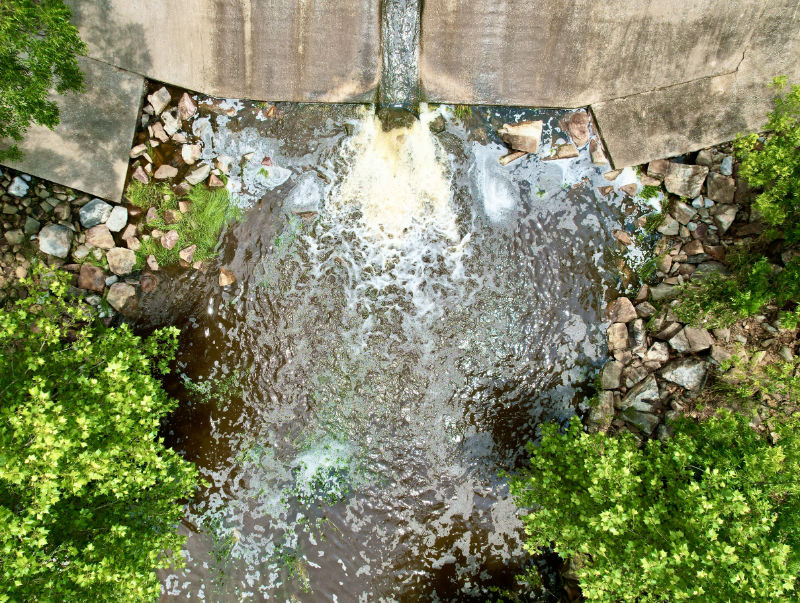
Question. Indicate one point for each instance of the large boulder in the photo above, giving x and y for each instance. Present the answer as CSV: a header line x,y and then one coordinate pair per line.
x,y
642,396
686,372
55,239
685,180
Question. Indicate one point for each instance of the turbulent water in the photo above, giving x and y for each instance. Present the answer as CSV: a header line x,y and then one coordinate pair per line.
x,y
407,312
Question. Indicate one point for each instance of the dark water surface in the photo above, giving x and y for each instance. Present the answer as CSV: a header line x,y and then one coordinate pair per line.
x,y
407,312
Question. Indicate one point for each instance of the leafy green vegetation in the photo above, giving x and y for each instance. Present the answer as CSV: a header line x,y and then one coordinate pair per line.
x,y
38,48
709,513
89,495
462,112
209,211
650,191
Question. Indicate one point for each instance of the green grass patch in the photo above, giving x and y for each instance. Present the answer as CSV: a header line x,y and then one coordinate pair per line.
x,y
210,210
462,112
649,192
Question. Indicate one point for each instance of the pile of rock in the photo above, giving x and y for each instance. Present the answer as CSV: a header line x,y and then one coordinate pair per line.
x,y
660,364
78,233
525,138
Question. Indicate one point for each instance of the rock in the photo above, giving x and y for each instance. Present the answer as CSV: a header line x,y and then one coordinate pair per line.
x,y
91,278
200,174
683,213
99,236
95,212
642,294
646,180
169,239
55,239
140,175
159,100
605,190
662,292
597,153
524,136
612,175
224,163
149,283
617,335
187,253
31,226
184,206
630,189
726,167
436,126
121,297
151,215
724,217
512,156
691,339
152,263
172,216
638,337
610,375
172,122
705,157
191,153
165,171
669,226
623,237
118,219
668,330
15,237
643,421
645,310
159,133
214,181
18,187
111,280
133,243
642,396
576,124
720,354
121,260
186,107
658,168
705,268
602,412
226,277
81,252
685,180
138,151
721,188
786,353
693,248
564,151
686,372
658,352
621,310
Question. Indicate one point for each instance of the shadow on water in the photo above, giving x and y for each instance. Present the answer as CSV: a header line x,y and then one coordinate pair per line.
x,y
407,314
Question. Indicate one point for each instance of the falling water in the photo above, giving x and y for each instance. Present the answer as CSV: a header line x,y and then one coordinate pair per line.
x,y
399,85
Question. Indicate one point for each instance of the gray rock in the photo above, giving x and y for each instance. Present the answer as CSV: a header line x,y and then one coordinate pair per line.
x,y
307,194
685,180
638,337
55,239
686,372
602,413
200,174
706,268
121,296
18,187
721,188
118,219
611,374
683,213
31,226
15,237
645,309
617,335
95,212
720,354
159,100
668,330
663,291
621,310
724,217
726,168
172,122
121,260
658,352
111,280
642,396
669,227
633,374
643,421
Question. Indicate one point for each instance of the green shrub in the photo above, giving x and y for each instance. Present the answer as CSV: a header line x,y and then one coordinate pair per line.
x,y
38,46
210,210
775,165
709,514
89,495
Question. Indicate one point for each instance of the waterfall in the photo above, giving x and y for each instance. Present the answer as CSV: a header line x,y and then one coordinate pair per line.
x,y
400,29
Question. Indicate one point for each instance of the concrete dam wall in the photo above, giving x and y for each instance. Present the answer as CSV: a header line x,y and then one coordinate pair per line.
x,y
662,77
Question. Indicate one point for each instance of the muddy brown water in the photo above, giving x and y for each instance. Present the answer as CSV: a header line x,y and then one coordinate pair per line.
x,y
365,384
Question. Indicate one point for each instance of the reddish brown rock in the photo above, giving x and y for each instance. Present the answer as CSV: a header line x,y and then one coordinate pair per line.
x,y
91,278
99,236
152,263
577,126
140,175
169,239
186,107
187,254
215,182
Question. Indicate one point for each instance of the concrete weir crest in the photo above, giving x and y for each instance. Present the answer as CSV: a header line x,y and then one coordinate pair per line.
x,y
400,35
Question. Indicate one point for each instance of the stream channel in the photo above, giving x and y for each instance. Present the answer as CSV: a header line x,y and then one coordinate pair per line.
x,y
407,313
